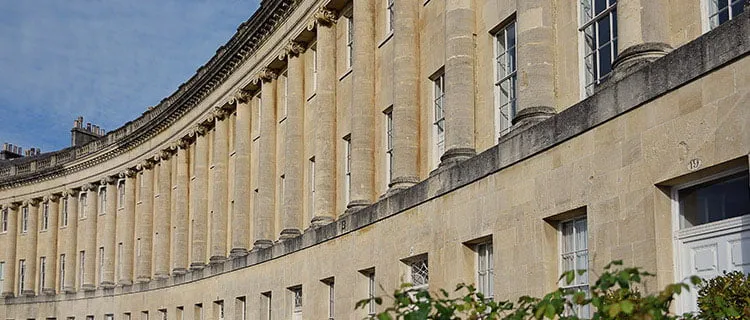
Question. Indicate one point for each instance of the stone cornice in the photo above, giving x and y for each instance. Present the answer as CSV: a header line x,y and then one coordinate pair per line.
x,y
246,41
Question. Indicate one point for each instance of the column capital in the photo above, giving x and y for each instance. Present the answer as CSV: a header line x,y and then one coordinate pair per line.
x,y
219,113
267,75
145,164
293,49
197,130
240,96
127,173
69,193
32,201
326,17
89,186
51,197
11,206
107,180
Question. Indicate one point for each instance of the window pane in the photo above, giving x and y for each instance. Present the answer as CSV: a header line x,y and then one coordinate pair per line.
x,y
599,6
721,199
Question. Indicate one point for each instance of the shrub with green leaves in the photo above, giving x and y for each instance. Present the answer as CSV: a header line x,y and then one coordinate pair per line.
x,y
725,297
615,295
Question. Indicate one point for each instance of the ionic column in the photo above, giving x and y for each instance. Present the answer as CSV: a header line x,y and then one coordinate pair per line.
x,y
325,124
405,95
535,69
294,155
9,284
642,34
264,215
199,198
126,230
162,215
144,227
107,231
459,81
242,183
68,242
219,186
27,248
49,249
180,215
87,237
363,105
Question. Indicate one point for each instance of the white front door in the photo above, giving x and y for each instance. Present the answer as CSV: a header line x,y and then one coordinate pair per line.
x,y
710,250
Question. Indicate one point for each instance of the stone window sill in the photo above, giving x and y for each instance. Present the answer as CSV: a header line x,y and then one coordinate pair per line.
x,y
387,38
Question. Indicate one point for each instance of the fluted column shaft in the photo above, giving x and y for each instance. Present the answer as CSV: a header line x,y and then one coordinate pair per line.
x,y
126,230
68,243
264,214
459,81
325,128
199,198
9,284
219,185
642,33
242,183
107,234
144,224
363,106
406,95
49,250
294,159
29,249
162,218
180,214
535,72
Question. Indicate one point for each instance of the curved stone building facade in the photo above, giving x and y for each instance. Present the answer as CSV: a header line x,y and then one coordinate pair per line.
x,y
333,149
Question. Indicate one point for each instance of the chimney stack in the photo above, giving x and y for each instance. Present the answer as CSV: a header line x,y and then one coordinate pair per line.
x,y
11,151
80,135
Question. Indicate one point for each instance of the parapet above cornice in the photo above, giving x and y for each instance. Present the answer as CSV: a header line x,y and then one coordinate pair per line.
x,y
250,35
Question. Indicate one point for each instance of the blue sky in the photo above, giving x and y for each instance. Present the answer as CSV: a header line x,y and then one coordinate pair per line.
x,y
106,60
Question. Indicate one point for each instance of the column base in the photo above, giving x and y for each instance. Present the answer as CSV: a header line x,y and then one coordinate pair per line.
x,y
217,260
178,271
356,205
320,221
7,295
636,57
400,183
197,266
107,284
456,155
530,116
238,252
289,233
68,290
262,244
48,291
127,282
143,279
161,276
88,287
28,293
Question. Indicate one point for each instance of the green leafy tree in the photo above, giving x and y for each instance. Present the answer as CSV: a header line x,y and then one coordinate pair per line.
x,y
725,297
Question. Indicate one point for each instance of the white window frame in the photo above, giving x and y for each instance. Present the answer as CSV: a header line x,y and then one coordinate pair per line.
x,y
42,272
45,216
101,264
588,86
102,203
64,213
370,291
121,193
349,38
119,259
485,269
311,194
82,266
438,118
21,275
4,218
709,11
2,273
285,78
347,168
506,63
388,135
25,219
389,16
296,293
415,264
266,306
62,271
82,205
314,49
331,298
582,311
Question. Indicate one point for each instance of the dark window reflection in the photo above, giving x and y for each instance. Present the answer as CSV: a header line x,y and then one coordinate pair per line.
x,y
717,200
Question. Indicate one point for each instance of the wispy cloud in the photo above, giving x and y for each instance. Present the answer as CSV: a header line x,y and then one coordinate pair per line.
x,y
105,60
